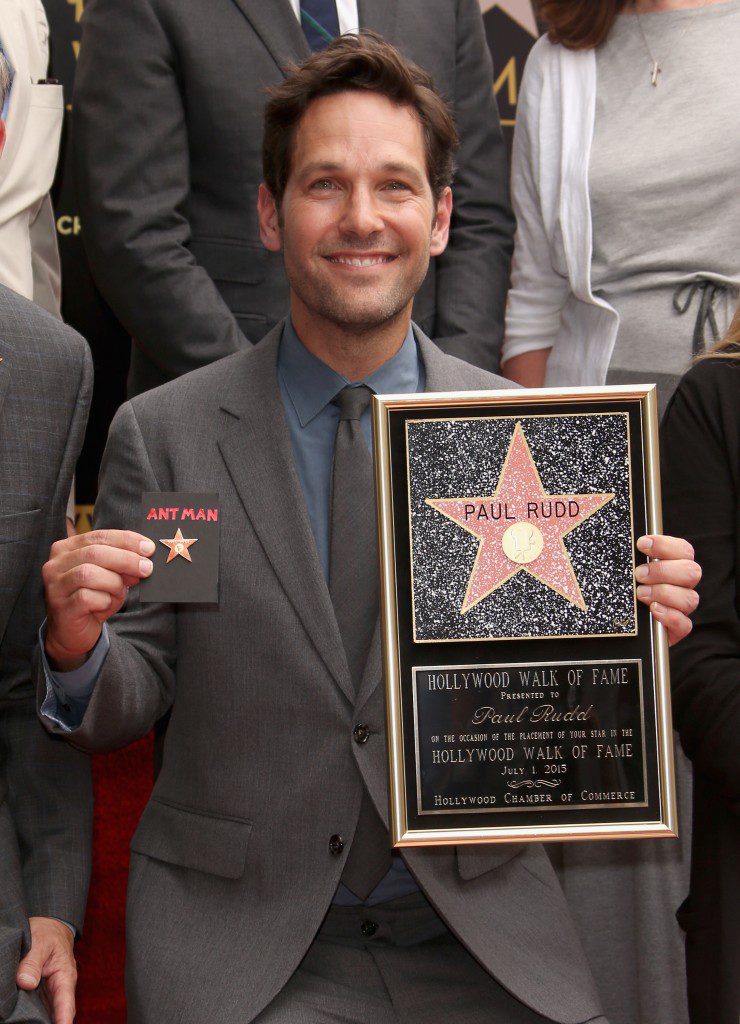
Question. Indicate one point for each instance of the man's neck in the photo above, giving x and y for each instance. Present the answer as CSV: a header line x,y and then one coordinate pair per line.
x,y
350,353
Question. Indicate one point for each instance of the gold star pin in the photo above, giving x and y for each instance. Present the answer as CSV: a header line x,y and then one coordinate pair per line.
x,y
179,545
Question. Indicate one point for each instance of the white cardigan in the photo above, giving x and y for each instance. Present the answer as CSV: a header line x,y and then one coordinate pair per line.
x,y
551,303
29,257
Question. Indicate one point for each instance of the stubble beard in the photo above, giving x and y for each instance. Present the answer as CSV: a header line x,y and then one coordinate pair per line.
x,y
348,309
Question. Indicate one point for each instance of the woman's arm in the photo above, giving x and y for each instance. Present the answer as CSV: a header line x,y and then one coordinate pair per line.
x,y
527,369
537,292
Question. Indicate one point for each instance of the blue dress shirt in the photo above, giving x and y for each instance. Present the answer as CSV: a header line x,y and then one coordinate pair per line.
x,y
308,387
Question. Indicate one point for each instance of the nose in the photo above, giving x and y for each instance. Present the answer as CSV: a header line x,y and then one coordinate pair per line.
x,y
361,215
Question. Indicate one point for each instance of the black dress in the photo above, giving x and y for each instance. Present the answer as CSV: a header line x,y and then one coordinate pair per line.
x,y
701,478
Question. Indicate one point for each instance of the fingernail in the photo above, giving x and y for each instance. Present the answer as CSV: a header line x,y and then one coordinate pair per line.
x,y
657,608
644,593
145,566
645,543
641,572
147,547
27,979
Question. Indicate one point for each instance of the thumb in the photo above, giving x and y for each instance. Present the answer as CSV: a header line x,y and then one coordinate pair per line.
x,y
28,976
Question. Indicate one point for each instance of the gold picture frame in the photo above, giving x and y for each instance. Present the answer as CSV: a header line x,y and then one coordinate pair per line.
x,y
421,643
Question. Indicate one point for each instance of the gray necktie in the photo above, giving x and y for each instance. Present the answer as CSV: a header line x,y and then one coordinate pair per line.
x,y
353,585
353,545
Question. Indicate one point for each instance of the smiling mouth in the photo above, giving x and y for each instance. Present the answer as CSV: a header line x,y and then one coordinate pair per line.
x,y
362,261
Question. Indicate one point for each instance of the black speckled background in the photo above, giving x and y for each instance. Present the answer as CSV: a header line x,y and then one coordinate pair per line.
x,y
576,454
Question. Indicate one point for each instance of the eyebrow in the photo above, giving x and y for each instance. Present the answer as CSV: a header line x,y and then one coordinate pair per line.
x,y
392,167
319,167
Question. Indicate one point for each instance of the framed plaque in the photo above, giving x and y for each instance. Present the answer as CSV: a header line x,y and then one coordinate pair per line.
x,y
527,688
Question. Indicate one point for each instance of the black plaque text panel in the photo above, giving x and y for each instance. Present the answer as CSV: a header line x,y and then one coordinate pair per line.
x,y
546,735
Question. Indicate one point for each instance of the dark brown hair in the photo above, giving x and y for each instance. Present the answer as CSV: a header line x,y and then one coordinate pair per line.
x,y
579,24
363,63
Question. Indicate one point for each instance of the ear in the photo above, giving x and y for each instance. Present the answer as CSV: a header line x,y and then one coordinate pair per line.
x,y
269,219
2,134
441,224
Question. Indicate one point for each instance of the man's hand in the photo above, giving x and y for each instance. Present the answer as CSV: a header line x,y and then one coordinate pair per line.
x,y
666,583
86,581
51,963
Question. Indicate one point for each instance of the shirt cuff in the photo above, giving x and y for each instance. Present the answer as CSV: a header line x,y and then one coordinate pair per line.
x,y
69,693
70,926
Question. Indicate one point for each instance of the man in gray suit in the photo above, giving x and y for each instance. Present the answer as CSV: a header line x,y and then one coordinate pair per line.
x,y
45,788
262,886
45,791
167,139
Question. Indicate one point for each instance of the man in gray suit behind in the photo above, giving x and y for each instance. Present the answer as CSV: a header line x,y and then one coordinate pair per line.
x,y
167,138
262,886
45,788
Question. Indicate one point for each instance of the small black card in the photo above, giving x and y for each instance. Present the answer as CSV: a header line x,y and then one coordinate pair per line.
x,y
184,525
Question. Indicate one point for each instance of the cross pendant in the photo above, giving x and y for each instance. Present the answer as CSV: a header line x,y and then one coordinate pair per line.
x,y
657,70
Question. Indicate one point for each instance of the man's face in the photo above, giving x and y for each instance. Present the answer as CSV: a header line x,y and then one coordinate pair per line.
x,y
358,222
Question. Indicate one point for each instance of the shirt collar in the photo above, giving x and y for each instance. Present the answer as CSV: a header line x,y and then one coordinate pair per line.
x,y
311,384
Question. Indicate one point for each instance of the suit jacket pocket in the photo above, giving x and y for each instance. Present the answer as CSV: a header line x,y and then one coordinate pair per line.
x,y
19,526
48,97
475,860
41,134
192,839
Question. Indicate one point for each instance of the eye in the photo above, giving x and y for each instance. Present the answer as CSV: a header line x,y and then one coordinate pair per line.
x,y
323,185
397,186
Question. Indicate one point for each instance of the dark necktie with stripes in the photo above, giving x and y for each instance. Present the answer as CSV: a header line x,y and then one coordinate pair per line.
x,y
353,586
320,22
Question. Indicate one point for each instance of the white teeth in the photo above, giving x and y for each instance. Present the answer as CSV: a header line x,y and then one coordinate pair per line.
x,y
371,261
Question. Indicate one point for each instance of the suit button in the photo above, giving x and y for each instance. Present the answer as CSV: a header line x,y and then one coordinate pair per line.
x,y
368,929
336,845
360,733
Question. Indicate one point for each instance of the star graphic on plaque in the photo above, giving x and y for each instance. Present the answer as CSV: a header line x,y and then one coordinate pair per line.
x,y
179,545
520,528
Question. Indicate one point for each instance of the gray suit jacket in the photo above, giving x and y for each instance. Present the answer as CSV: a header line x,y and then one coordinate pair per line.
x,y
232,871
45,791
168,136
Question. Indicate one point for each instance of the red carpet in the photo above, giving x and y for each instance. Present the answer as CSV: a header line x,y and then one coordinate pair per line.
x,y
122,783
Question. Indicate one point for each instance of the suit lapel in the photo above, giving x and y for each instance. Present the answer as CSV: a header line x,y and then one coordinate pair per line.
x,y
373,668
278,28
275,23
256,447
255,444
378,15
4,375
441,375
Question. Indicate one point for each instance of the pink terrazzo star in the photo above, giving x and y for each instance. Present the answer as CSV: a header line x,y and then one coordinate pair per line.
x,y
520,528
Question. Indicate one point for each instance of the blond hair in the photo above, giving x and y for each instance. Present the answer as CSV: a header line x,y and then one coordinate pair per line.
x,y
729,346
